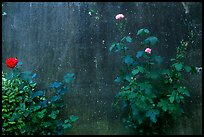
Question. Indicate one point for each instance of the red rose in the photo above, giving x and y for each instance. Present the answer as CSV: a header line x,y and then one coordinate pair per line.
x,y
11,62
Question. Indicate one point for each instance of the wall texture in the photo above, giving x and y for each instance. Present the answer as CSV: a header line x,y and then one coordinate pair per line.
x,y
54,38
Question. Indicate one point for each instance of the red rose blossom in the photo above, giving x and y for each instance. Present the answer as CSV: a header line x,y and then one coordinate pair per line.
x,y
11,62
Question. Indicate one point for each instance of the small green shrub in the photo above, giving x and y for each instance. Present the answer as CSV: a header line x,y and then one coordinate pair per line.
x,y
151,96
27,111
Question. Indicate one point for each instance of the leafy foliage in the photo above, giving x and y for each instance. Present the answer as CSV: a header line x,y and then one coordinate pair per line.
x,y
128,60
69,77
3,12
118,46
26,111
139,54
151,97
143,32
150,41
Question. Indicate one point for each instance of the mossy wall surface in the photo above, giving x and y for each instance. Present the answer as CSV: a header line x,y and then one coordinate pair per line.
x,y
53,38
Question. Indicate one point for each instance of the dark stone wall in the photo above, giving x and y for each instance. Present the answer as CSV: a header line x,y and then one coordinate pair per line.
x,y
52,38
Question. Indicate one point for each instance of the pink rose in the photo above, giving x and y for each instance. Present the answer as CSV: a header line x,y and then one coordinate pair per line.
x,y
119,16
148,50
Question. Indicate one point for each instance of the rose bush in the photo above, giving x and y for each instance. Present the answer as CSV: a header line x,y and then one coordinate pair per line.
x,y
26,110
151,96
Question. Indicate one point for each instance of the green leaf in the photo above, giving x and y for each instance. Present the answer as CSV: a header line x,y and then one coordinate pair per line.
x,y
5,124
69,77
135,71
22,130
172,59
41,113
112,46
194,70
26,114
152,114
151,41
55,98
128,77
187,68
62,90
66,121
178,66
20,63
93,11
35,108
47,124
141,69
142,32
119,47
34,75
128,39
164,108
36,94
118,80
184,91
163,104
144,86
27,75
35,120
52,115
12,123
11,100
55,85
165,72
177,99
171,99
128,60
14,116
158,59
153,75
9,76
22,106
73,118
67,125
139,54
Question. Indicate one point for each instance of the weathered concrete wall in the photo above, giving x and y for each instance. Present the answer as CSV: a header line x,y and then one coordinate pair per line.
x,y
54,38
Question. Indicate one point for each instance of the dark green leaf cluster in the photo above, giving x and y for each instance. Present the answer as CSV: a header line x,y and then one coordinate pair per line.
x,y
27,111
151,96
119,46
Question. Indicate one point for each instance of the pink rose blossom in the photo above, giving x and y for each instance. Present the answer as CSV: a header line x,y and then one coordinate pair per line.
x,y
119,16
148,50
